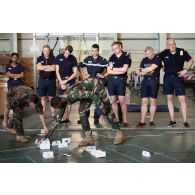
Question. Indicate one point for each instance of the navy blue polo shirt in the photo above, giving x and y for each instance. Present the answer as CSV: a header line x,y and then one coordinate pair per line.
x,y
46,61
14,70
146,62
173,63
119,62
94,65
66,65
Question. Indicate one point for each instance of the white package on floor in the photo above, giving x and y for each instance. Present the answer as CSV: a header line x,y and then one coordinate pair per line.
x,y
90,148
48,155
146,154
67,140
56,143
63,145
94,152
44,144
98,153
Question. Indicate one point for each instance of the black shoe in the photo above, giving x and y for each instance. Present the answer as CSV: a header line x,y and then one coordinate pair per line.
x,y
172,124
67,121
152,124
124,125
96,123
140,124
78,122
186,125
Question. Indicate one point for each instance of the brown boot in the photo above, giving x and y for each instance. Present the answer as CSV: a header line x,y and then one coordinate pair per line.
x,y
13,131
22,138
119,138
88,140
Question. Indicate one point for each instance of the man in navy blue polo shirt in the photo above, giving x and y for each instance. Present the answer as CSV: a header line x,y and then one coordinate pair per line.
x,y
150,68
119,63
66,71
174,59
46,65
96,66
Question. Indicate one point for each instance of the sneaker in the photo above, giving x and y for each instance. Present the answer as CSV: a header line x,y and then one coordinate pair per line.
x,y
172,124
88,140
186,125
119,138
140,125
152,124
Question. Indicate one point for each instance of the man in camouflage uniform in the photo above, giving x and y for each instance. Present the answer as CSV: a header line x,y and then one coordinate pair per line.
x,y
87,92
17,98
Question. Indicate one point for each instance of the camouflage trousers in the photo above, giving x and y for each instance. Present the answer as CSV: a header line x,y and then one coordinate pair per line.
x,y
16,121
87,92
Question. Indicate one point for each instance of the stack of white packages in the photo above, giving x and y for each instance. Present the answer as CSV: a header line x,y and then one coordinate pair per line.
x,y
94,152
64,144
66,140
48,155
43,144
56,143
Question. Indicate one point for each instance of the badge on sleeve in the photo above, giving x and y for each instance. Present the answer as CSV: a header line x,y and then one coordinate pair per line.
x,y
181,53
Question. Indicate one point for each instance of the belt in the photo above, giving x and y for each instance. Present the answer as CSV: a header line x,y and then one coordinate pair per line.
x,y
48,79
116,77
149,78
171,75
11,79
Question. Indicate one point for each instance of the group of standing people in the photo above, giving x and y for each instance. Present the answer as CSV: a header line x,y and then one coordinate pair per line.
x,y
111,73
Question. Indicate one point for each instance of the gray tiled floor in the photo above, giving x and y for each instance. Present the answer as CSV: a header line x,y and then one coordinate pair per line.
x,y
165,145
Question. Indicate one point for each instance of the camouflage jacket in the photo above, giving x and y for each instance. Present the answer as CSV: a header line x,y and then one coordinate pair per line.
x,y
17,98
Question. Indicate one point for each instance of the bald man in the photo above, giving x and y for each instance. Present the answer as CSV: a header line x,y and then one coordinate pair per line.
x,y
174,59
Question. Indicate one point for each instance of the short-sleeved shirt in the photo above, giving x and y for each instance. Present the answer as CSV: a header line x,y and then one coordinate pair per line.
x,y
66,65
173,63
119,62
94,65
46,61
146,62
14,70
